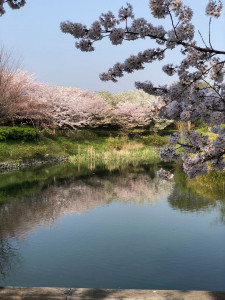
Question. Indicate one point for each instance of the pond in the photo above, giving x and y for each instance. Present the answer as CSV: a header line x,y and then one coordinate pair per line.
x,y
122,227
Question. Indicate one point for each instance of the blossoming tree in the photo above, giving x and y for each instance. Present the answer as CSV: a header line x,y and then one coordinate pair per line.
x,y
25,101
75,108
187,99
20,99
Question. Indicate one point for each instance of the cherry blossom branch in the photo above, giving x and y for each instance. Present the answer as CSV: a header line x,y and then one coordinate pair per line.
x,y
190,99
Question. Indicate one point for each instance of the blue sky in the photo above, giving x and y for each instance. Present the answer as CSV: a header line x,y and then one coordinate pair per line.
x,y
34,36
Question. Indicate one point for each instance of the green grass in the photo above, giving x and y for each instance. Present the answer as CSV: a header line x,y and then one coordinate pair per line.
x,y
85,144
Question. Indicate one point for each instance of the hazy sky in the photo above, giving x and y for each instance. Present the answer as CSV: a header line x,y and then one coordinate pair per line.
x,y
34,35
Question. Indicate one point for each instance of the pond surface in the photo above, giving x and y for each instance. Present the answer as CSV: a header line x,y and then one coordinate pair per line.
x,y
123,228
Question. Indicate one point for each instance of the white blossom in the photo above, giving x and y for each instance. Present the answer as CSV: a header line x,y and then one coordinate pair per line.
x,y
116,36
159,8
95,31
126,12
108,20
84,45
214,8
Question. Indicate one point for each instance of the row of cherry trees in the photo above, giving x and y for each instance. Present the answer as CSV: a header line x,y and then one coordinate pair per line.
x,y
23,100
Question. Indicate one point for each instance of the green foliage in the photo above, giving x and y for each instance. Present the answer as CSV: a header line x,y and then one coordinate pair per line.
x,y
18,133
68,146
114,143
21,150
40,151
198,194
200,126
154,140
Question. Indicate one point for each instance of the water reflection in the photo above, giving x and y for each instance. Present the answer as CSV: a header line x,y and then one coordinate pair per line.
x,y
189,201
203,193
66,196
53,195
40,197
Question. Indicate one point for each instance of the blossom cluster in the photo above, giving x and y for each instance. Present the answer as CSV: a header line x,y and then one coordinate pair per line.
x,y
214,8
14,4
169,153
195,166
126,12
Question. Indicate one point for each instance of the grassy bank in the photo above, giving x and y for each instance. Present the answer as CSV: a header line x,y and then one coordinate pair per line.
x,y
83,145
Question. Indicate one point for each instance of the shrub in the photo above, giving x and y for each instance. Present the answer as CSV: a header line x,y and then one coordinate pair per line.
x,y
154,140
17,133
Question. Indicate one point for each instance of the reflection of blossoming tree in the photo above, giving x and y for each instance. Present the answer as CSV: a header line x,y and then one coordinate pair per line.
x,y
77,196
140,189
184,101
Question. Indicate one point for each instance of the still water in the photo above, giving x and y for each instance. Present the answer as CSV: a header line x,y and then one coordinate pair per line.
x,y
112,228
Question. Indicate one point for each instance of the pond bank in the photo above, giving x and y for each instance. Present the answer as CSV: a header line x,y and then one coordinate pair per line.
x,y
87,155
20,293
33,162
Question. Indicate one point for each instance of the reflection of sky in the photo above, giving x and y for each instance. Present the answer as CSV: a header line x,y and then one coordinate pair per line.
x,y
123,245
33,32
